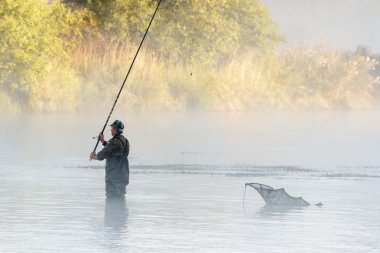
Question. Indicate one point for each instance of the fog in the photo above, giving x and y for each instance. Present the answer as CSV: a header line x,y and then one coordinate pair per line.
x,y
323,140
341,24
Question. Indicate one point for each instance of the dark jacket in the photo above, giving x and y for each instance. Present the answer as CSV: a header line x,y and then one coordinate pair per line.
x,y
116,152
118,146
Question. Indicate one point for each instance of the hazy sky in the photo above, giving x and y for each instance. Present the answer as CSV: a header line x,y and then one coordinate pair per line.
x,y
337,23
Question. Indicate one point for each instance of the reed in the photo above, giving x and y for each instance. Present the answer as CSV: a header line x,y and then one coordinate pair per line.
x,y
297,78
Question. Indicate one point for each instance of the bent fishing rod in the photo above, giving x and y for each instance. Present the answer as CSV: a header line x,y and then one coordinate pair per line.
x,y
126,77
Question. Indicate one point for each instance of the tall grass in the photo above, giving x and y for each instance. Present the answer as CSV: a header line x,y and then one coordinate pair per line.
x,y
297,78
302,77
158,84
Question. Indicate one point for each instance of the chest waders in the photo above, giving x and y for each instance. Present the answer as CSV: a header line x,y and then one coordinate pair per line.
x,y
117,172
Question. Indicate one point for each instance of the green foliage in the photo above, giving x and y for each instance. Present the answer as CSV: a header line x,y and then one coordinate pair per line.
x,y
193,31
212,32
116,20
199,54
36,38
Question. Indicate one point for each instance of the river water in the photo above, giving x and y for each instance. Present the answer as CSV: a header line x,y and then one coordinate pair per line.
x,y
187,180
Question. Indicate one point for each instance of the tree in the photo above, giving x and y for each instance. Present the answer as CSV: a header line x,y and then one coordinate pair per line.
x,y
209,31
35,39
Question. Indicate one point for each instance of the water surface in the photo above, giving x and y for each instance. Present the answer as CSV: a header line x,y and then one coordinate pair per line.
x,y
187,184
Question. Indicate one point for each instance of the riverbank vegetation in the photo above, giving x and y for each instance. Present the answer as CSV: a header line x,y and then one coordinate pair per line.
x,y
200,54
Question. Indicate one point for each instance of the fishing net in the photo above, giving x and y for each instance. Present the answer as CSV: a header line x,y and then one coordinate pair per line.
x,y
276,196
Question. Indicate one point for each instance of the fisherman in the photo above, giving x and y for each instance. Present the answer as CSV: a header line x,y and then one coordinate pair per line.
x,y
115,152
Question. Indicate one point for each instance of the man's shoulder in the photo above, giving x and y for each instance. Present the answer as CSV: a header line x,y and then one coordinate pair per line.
x,y
118,139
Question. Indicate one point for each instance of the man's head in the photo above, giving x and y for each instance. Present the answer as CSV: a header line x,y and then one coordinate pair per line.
x,y
117,127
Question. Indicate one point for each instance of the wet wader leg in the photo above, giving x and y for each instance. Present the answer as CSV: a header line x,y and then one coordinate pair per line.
x,y
115,189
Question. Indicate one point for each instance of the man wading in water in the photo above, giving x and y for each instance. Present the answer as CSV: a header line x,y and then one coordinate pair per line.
x,y
115,152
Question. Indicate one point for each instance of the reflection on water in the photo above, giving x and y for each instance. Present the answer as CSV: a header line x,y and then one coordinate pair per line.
x,y
278,210
115,223
116,214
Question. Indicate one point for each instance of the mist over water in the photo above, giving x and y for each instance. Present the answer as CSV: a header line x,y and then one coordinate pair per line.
x,y
323,140
187,183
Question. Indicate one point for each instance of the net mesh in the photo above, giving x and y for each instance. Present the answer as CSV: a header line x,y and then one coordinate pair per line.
x,y
273,196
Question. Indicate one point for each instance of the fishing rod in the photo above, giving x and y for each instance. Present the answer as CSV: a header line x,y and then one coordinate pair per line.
x,y
126,77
